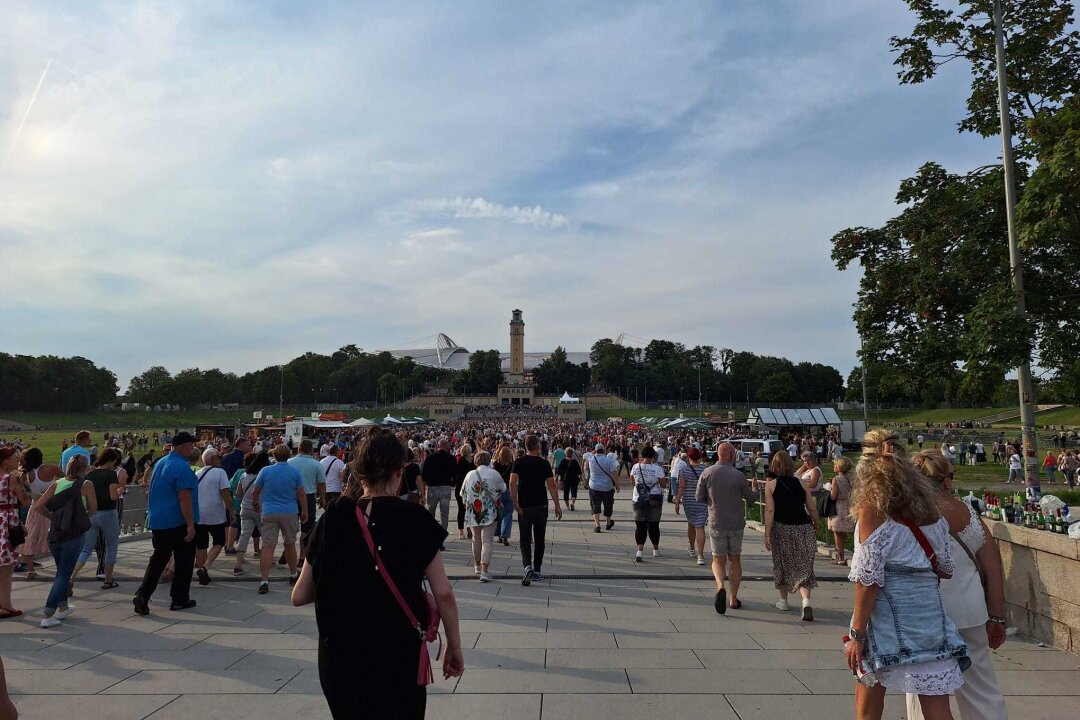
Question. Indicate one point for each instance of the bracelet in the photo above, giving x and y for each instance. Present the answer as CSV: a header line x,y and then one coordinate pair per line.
x,y
997,619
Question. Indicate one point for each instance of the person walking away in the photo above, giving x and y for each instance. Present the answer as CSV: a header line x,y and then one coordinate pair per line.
x,y
314,478
233,464
569,472
899,630
370,654
172,512
277,496
104,523
482,489
250,520
649,483
697,512
530,476
842,523
1050,465
723,489
790,519
333,466
1016,467
603,484
215,514
38,477
437,480
975,606
68,504
12,497
503,462
464,466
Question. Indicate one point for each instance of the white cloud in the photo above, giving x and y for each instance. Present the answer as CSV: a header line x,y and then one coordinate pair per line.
x,y
480,209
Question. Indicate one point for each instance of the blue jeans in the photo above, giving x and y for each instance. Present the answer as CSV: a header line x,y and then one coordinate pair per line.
x,y
65,553
107,524
508,515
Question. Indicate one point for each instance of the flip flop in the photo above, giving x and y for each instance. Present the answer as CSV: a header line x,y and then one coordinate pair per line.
x,y
7,614
110,585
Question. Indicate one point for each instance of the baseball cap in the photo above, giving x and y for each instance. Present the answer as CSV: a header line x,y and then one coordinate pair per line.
x,y
183,437
599,447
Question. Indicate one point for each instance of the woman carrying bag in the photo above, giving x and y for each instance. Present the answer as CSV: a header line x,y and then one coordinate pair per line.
x,y
649,485
367,560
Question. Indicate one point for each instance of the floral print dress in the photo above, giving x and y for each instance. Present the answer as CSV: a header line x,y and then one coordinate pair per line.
x,y
482,491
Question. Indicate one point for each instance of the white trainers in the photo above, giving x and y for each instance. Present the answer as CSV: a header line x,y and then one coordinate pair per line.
x,y
49,622
637,557
484,577
476,570
656,552
701,562
690,550
782,605
65,612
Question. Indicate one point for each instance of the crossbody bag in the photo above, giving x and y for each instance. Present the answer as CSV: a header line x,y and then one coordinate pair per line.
x,y
427,635
931,555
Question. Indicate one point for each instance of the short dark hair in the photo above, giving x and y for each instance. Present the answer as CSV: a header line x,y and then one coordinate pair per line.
x,y
532,443
648,452
306,446
109,455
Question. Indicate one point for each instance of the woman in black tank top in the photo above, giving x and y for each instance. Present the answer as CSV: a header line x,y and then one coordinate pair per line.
x,y
790,519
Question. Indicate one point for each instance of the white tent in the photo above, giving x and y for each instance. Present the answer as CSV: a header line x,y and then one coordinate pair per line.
x,y
567,398
361,422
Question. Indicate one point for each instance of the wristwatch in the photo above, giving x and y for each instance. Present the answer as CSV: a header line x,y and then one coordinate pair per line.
x,y
857,635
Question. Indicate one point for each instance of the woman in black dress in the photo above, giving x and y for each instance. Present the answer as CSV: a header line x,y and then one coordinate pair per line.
x,y
369,654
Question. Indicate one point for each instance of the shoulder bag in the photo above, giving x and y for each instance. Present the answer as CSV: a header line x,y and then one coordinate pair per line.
x,y
69,517
427,635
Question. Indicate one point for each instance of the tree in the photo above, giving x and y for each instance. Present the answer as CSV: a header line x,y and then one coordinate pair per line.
x,y
388,387
778,387
556,374
153,387
1042,62
483,375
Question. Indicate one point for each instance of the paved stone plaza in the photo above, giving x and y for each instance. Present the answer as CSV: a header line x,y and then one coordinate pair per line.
x,y
633,646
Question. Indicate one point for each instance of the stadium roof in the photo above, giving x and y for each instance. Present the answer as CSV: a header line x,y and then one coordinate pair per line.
x,y
448,355
789,416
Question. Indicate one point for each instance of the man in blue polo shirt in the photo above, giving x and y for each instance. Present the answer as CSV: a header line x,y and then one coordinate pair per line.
x,y
172,512
82,442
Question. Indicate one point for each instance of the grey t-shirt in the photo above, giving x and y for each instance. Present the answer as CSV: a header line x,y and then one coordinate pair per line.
x,y
724,488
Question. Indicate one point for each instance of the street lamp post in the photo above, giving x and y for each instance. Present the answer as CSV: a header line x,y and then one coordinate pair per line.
x,y
281,394
315,393
699,390
1023,372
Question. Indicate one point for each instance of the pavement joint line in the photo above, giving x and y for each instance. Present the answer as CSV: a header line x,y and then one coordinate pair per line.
x,y
289,681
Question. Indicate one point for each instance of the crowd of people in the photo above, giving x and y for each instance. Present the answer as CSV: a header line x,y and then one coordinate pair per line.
x,y
361,517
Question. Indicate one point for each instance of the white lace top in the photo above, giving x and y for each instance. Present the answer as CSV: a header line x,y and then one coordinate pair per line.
x,y
894,544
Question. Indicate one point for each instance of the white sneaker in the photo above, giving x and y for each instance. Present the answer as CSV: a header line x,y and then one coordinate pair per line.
x,y
782,605
656,552
49,622
637,557
65,613
476,570
484,577
701,561
690,550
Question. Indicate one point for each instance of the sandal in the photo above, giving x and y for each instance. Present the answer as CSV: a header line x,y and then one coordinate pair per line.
x,y
735,604
8,613
110,585
31,575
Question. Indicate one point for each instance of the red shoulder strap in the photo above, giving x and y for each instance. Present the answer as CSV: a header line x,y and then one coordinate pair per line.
x,y
920,538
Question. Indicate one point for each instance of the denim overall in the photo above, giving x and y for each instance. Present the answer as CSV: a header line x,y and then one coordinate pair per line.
x,y
909,625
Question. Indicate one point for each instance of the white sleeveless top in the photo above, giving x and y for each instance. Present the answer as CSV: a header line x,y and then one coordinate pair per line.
x,y
962,594
38,486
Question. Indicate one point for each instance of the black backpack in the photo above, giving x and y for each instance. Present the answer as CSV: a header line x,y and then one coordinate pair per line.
x,y
69,517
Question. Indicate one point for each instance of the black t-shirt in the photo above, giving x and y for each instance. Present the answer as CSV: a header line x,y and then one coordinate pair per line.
x,y
464,467
366,644
408,477
101,479
570,470
439,469
532,472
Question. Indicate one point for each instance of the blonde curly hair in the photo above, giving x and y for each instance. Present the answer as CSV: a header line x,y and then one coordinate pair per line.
x,y
889,483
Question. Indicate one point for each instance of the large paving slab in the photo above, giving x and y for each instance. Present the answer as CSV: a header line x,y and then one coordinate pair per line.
x,y
619,640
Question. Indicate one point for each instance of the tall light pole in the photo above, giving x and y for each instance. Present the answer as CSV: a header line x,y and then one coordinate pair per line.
x,y
699,389
281,394
1023,372
865,409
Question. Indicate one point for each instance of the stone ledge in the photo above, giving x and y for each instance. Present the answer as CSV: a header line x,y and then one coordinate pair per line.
x,y
1041,540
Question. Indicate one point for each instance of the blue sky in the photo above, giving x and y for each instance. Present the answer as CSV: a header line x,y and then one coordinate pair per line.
x,y
230,185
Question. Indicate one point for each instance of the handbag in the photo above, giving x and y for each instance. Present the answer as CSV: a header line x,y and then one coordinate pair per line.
x,y
16,530
826,506
428,634
69,517
645,490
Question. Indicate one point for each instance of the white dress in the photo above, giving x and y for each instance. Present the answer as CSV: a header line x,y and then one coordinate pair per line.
x,y
894,543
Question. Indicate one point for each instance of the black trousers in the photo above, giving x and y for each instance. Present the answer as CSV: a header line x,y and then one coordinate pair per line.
x,y
532,525
170,544
643,528
460,507
100,547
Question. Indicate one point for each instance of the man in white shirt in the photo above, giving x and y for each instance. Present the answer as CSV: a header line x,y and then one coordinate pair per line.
x,y
333,466
793,450
215,513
